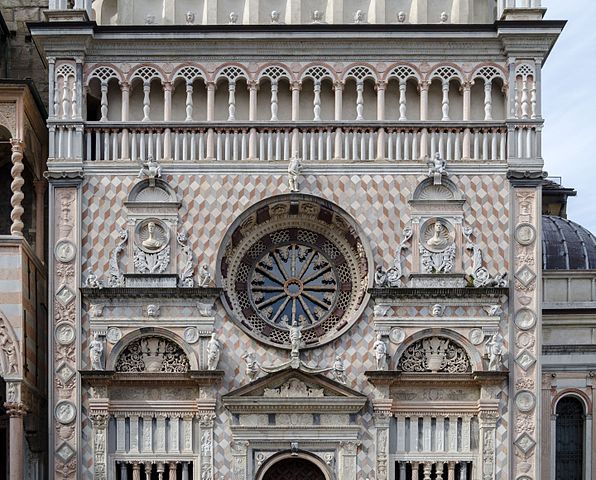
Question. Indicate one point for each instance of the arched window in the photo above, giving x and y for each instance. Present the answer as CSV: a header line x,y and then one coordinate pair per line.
x,y
570,439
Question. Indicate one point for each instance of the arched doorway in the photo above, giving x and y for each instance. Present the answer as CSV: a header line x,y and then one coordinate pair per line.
x,y
570,439
294,469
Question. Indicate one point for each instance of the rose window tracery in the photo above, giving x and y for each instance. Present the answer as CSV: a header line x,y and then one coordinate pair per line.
x,y
294,262
152,355
435,354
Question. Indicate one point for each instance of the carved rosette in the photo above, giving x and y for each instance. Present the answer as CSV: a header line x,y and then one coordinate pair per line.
x,y
65,270
526,322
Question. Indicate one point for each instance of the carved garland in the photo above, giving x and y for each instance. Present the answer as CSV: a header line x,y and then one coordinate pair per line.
x,y
152,355
435,354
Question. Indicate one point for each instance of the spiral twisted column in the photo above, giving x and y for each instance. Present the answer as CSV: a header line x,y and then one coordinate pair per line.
x,y
17,184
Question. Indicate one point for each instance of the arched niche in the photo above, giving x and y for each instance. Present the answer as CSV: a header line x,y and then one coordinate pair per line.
x,y
445,191
145,192
300,458
150,332
455,339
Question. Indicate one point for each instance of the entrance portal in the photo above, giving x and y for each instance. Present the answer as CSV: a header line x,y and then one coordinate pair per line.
x,y
294,469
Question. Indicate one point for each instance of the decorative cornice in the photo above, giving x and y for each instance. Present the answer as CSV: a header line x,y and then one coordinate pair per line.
x,y
110,377
526,178
391,377
439,292
130,292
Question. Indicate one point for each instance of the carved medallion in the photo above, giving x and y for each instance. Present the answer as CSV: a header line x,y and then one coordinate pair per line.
x,y
65,412
525,401
525,318
476,336
525,360
65,251
64,333
437,235
152,235
113,335
191,335
525,340
525,234
397,335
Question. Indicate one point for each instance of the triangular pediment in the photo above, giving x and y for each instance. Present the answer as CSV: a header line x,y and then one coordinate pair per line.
x,y
294,389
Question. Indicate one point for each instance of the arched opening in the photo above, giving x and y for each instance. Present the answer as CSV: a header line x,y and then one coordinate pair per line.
x,y
293,468
569,455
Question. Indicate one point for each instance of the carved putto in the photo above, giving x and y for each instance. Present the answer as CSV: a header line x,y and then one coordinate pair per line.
x,y
293,388
151,169
204,276
8,352
435,354
152,355
437,248
437,169
380,352
494,351
252,366
339,370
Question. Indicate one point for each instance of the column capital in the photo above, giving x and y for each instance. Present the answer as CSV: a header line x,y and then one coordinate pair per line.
x,y
17,145
338,85
296,85
15,409
381,85
253,85
124,86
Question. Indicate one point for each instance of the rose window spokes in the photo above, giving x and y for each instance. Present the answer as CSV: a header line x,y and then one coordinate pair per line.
x,y
294,283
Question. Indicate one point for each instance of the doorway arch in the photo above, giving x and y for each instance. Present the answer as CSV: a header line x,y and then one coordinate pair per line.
x,y
294,466
569,455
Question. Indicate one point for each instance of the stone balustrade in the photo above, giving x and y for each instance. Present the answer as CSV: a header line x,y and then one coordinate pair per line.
x,y
266,141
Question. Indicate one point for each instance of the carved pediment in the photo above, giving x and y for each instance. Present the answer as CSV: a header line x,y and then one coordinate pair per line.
x,y
294,390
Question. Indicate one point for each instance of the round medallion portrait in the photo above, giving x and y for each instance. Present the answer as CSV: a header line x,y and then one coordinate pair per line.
x,y
294,261
152,235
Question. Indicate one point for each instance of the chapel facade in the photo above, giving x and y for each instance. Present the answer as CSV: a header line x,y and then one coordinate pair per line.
x,y
304,239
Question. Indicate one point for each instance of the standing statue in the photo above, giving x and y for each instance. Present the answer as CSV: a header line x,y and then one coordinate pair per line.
x,y
294,170
252,366
381,277
204,276
96,353
380,352
339,370
9,351
437,168
213,352
295,339
494,349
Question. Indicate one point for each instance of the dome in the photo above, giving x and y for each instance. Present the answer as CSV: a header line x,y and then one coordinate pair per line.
x,y
566,245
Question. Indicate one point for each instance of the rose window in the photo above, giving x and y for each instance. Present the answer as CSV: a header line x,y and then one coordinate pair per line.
x,y
294,262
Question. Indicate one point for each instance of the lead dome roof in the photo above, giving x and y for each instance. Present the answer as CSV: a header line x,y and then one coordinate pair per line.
x,y
566,245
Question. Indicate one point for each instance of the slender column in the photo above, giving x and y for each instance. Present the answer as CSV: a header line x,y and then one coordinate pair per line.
x,y
184,470
488,100
77,93
231,100
40,189
463,473
160,470
466,92
402,100
172,471
274,107
104,101
423,87
402,470
188,102
439,470
136,470
148,470
338,89
16,412
167,101
525,106
445,101
146,100
296,87
210,101
51,86
415,474
16,186
252,100
451,471
360,100
537,107
125,90
123,471
317,101
381,87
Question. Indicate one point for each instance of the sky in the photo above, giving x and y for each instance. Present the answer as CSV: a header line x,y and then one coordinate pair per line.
x,y
569,106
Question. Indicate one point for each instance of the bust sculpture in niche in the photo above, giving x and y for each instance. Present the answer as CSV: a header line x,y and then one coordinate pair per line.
x,y
401,17
440,237
151,243
275,16
233,18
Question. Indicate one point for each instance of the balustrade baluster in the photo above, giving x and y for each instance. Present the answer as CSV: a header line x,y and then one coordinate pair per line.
x,y
231,100
494,145
415,470
337,144
218,154
244,145
457,154
115,145
320,137
391,139
503,146
402,149
329,145
87,145
156,137
488,101
177,147
447,145
355,145
286,145
317,101
269,145
347,143
312,145
277,145
485,144
262,153
520,142
433,143
371,145
416,137
402,100
445,100
477,144
142,145
227,145
69,142
530,142
133,150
